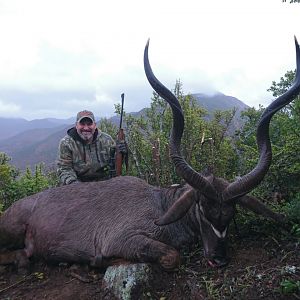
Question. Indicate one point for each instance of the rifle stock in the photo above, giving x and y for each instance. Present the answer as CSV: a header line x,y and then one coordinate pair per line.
x,y
120,138
119,155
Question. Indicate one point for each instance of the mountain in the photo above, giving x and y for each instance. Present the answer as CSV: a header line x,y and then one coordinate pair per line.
x,y
37,140
14,126
33,146
44,151
223,102
219,101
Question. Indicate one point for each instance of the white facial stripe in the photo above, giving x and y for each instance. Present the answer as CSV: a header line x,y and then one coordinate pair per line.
x,y
198,216
201,209
202,215
218,233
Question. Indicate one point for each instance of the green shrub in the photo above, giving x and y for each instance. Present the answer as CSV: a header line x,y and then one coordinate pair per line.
x,y
292,209
289,286
15,185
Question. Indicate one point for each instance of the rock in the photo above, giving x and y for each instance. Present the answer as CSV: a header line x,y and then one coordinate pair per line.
x,y
128,282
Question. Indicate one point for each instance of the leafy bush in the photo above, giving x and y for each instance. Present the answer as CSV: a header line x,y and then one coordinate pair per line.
x,y
15,185
292,209
289,286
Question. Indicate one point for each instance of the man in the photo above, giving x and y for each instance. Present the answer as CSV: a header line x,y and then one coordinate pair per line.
x,y
86,153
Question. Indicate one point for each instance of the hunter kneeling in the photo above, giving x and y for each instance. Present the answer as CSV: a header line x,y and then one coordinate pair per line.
x,y
86,153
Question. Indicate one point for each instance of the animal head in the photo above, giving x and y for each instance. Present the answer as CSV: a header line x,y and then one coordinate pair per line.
x,y
215,197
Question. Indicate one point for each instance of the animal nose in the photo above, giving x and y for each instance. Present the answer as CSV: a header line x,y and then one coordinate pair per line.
x,y
218,261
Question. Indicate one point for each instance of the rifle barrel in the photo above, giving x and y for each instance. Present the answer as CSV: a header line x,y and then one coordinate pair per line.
x,y
122,105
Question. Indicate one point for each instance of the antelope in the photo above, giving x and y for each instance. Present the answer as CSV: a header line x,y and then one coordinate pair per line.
x,y
125,217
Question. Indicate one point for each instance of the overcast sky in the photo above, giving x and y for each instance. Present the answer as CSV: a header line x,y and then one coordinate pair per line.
x,y
59,56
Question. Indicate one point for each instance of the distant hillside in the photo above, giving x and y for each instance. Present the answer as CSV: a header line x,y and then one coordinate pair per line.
x,y
223,102
34,146
13,126
210,103
37,143
219,102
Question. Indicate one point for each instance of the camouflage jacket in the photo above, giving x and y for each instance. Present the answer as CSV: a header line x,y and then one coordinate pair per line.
x,y
80,161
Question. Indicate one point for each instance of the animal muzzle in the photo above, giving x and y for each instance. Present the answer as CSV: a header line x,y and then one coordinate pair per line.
x,y
217,255
218,262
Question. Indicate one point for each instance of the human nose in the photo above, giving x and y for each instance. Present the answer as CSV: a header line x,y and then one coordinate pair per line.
x,y
85,126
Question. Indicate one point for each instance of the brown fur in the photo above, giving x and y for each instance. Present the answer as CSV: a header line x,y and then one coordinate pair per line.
x,y
96,222
88,222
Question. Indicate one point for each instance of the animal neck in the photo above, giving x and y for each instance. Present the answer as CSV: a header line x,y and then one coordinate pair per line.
x,y
185,230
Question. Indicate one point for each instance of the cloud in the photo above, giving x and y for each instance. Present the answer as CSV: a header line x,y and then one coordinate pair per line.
x,y
8,109
58,56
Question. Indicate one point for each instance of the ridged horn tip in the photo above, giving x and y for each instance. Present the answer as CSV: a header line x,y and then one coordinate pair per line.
x,y
148,41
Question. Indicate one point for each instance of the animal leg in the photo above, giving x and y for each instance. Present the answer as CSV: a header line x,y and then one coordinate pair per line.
x,y
144,249
19,257
104,262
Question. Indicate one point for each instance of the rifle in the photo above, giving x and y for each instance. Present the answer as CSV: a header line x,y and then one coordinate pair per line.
x,y
120,137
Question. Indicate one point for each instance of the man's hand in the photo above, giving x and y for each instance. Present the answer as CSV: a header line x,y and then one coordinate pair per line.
x,y
72,181
122,147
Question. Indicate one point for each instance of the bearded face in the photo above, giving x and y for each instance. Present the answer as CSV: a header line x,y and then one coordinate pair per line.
x,y
86,129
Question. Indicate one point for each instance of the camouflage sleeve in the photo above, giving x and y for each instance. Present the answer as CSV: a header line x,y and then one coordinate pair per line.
x,y
109,142
112,147
112,143
65,171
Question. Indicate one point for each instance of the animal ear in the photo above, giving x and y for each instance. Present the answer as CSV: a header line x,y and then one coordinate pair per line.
x,y
255,205
178,209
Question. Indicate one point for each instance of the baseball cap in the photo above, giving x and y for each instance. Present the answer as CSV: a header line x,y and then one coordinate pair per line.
x,y
85,114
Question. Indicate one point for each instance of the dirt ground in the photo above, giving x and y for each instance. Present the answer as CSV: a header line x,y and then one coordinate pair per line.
x,y
263,266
